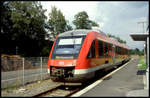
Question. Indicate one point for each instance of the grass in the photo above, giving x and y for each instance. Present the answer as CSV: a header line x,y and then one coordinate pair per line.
x,y
9,89
142,64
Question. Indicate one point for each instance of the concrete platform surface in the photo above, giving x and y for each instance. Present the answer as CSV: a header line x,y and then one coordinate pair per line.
x,y
138,93
125,82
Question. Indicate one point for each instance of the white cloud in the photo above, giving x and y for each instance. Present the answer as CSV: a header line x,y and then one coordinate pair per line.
x,y
121,19
117,18
69,9
101,24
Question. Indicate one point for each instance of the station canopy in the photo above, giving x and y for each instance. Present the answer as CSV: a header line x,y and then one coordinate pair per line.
x,y
139,37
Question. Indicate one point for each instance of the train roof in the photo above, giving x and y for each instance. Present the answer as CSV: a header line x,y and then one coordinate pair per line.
x,y
81,32
78,32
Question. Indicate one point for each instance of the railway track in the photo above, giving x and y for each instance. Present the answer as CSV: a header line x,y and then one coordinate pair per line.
x,y
61,90
67,90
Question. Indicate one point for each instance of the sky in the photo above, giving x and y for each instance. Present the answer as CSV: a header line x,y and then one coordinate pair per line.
x,y
114,17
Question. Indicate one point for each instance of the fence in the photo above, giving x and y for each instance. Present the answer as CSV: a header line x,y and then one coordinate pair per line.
x,y
16,71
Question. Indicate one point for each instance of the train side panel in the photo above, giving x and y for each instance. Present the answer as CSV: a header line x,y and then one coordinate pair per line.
x,y
84,67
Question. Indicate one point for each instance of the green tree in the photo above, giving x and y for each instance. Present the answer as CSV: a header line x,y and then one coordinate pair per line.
x,y
28,26
117,38
57,22
23,24
82,21
6,23
94,23
28,20
136,51
68,27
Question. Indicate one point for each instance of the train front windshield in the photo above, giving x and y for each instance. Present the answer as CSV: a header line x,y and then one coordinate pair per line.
x,y
67,47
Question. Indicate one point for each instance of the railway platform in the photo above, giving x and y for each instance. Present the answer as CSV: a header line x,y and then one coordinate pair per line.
x,y
126,82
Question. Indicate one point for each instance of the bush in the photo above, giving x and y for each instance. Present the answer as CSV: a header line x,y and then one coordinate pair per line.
x,y
142,63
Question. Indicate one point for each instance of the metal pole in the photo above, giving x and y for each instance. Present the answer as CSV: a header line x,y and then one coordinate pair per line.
x,y
41,68
16,50
147,70
143,24
143,27
23,70
147,57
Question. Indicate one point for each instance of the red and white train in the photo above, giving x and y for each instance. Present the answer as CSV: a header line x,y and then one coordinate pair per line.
x,y
78,55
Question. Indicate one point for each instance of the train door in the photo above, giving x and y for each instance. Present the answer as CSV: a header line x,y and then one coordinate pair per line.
x,y
106,53
110,52
113,53
91,55
101,58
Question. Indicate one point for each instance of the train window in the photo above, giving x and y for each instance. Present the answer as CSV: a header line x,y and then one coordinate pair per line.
x,y
128,52
114,50
121,52
106,49
67,47
93,49
120,49
117,50
100,48
124,51
109,49
91,53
